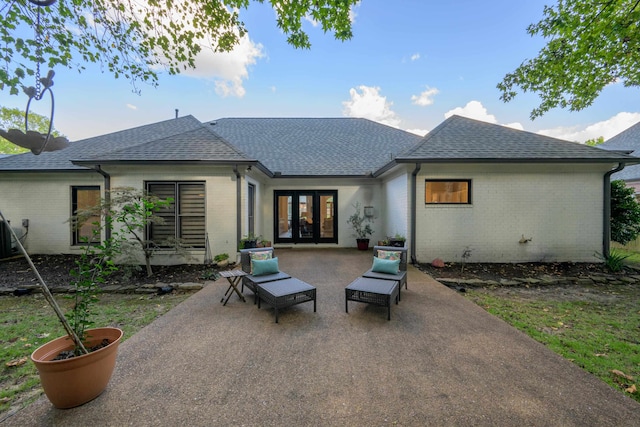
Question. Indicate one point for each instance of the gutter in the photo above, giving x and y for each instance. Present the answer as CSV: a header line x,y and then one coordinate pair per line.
x,y
606,235
414,185
238,205
107,195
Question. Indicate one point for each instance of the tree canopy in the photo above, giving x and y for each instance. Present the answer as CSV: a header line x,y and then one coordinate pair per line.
x,y
591,45
135,40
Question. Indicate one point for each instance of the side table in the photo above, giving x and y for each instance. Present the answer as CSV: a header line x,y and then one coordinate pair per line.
x,y
233,277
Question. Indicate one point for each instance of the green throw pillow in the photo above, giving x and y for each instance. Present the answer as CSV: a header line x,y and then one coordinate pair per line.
x,y
385,265
266,266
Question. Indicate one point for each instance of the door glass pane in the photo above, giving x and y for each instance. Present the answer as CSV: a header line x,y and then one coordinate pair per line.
x,y
326,217
284,216
305,205
251,208
85,199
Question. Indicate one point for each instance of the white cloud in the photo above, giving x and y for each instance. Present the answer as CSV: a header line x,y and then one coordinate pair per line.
x,y
606,128
369,104
132,107
415,56
227,69
515,125
421,132
425,98
473,110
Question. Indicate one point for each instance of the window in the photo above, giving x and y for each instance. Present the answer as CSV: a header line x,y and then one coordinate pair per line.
x,y
84,198
184,218
440,191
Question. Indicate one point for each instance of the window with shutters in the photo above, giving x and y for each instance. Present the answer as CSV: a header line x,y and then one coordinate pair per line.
x,y
184,218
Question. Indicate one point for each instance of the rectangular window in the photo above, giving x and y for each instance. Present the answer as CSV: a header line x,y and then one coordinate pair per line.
x,y
83,198
184,218
452,191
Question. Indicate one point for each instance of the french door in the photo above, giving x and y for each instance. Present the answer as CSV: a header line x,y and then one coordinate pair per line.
x,y
306,216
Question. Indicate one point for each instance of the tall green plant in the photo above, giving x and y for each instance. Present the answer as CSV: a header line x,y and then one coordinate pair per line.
x,y
95,264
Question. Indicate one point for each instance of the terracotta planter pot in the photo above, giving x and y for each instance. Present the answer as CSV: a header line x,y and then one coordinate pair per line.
x,y
363,244
73,382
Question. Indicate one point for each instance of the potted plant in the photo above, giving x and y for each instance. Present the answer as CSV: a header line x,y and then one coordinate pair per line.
x,y
249,241
222,260
263,243
397,241
361,226
76,368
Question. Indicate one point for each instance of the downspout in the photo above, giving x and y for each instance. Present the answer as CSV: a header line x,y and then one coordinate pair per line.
x,y
238,205
414,185
606,235
107,195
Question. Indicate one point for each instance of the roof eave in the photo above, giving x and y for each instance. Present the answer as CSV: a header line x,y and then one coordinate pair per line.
x,y
45,170
625,160
89,163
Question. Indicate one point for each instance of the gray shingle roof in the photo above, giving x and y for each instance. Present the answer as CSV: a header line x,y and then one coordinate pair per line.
x,y
316,146
199,144
460,139
91,147
627,140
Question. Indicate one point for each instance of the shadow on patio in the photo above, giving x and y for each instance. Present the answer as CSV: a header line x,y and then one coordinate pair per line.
x,y
441,360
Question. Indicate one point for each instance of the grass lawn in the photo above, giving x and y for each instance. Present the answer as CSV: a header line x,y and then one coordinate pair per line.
x,y
27,322
601,336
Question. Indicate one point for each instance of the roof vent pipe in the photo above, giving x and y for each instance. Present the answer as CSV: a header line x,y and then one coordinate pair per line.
x,y
176,113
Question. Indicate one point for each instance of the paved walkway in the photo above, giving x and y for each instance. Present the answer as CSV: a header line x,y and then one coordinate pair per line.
x,y
440,361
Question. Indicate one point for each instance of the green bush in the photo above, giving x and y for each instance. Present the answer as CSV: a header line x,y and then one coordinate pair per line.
x,y
615,260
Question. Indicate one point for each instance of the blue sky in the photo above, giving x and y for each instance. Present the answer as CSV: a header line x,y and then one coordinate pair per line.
x,y
410,65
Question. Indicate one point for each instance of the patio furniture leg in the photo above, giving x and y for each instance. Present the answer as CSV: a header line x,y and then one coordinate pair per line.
x,y
233,287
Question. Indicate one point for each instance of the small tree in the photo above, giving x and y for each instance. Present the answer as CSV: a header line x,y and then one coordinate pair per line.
x,y
625,213
135,211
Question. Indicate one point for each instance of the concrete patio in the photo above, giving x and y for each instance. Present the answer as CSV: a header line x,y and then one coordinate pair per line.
x,y
441,360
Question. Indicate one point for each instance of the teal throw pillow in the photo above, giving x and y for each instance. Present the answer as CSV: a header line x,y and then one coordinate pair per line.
x,y
385,265
267,266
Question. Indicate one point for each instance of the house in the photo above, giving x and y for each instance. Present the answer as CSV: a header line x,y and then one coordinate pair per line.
x,y
627,141
493,193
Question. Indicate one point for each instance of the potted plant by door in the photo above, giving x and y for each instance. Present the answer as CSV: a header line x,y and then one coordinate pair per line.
x,y
249,242
397,241
76,368
361,226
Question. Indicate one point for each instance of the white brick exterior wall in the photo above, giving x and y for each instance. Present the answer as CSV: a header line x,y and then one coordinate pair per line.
x,y
45,200
350,191
560,212
397,205
559,207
